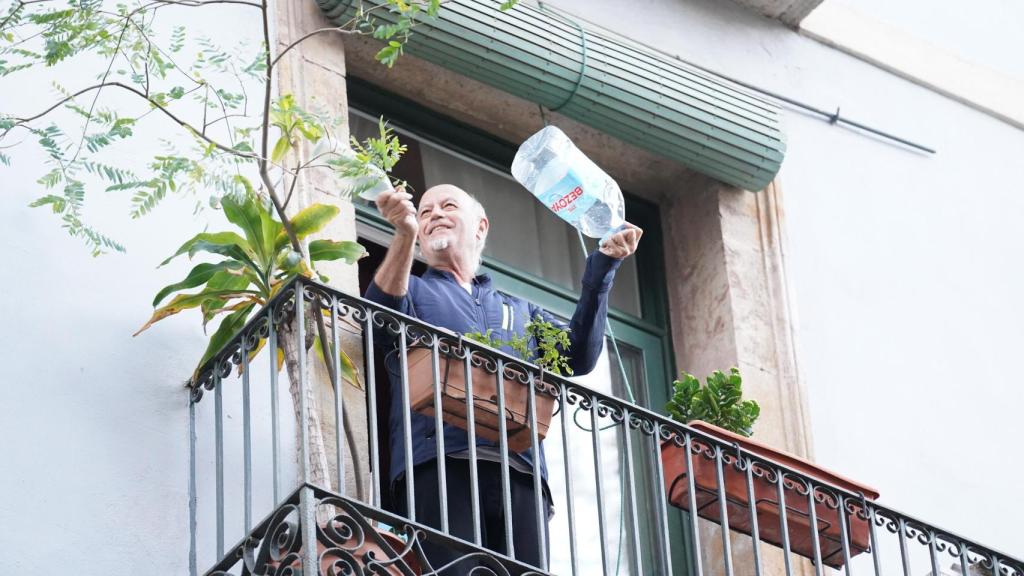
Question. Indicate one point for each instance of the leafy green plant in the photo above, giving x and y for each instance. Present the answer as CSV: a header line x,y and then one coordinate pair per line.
x,y
253,266
719,402
550,339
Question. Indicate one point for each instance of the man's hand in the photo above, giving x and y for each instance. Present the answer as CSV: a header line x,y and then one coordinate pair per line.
x,y
622,243
396,206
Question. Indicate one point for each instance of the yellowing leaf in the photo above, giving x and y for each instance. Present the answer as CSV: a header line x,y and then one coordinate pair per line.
x,y
281,148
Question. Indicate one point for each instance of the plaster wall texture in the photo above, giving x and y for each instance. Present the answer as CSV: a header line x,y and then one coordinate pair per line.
x,y
95,422
900,264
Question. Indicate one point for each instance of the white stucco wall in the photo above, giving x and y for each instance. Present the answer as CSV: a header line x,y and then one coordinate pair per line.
x,y
904,267
95,422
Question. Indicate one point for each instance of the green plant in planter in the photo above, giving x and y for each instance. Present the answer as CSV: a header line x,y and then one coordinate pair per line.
x,y
719,402
551,340
254,266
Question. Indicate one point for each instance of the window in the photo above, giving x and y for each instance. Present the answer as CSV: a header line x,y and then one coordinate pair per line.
x,y
532,254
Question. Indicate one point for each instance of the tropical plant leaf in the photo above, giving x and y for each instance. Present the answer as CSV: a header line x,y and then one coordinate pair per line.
x,y
224,243
224,280
346,250
227,330
187,301
245,213
201,274
349,372
281,148
308,221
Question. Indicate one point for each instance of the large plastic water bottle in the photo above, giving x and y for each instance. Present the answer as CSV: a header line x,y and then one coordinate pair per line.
x,y
550,166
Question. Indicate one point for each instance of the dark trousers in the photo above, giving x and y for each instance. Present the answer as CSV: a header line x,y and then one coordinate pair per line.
x,y
460,512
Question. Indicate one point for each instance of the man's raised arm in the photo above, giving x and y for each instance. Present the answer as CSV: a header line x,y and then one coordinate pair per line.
x,y
587,326
392,277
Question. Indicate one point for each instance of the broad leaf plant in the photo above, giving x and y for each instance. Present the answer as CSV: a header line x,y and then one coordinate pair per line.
x,y
719,402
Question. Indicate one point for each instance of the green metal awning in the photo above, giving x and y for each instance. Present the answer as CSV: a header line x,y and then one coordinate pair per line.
x,y
626,90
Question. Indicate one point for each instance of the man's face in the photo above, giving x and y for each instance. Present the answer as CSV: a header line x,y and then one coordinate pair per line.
x,y
448,224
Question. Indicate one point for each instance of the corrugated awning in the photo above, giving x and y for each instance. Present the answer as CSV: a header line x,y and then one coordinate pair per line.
x,y
626,90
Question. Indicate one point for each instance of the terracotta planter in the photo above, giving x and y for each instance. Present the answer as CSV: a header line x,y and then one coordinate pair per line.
x,y
829,533
485,399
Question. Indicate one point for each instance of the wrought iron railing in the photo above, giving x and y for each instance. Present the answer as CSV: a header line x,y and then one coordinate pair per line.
x,y
615,510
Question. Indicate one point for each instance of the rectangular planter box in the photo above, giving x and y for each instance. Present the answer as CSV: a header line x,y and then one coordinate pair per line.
x,y
798,520
485,399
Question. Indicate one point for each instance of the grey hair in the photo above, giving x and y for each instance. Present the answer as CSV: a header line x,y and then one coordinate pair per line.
x,y
478,208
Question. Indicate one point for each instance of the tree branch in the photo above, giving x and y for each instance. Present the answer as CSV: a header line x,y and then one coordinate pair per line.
x,y
265,135
338,29
103,80
157,105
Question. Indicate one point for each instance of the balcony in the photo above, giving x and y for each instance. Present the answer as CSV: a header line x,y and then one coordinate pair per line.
x,y
616,512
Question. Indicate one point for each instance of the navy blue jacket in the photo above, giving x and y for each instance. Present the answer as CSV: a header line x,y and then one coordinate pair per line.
x,y
437,298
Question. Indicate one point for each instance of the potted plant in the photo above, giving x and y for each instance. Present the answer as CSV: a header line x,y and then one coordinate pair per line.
x,y
718,410
550,341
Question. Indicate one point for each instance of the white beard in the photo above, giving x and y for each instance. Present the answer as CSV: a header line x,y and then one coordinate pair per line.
x,y
438,244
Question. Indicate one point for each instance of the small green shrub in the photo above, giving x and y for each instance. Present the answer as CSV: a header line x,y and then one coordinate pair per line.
x,y
719,402
551,340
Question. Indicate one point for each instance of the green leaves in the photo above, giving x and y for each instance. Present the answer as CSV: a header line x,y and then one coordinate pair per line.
x,y
253,266
227,244
286,115
245,214
550,341
363,167
199,275
718,403
345,250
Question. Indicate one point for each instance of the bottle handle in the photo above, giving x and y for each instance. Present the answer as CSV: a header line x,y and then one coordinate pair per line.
x,y
611,233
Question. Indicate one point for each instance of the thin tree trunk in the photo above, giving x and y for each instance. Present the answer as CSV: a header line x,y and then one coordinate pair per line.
x,y
319,471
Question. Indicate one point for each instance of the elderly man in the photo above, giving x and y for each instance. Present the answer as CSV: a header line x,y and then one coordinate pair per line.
x,y
451,228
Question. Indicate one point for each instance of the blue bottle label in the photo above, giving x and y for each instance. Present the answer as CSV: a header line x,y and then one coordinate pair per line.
x,y
568,198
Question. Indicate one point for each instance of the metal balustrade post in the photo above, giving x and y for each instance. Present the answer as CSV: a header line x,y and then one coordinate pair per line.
x,y
371,394
933,555
844,533
192,503
474,472
339,412
538,494
506,490
406,407
755,533
218,408
904,555
661,499
815,544
595,434
300,336
780,493
570,506
723,511
692,497
631,482
246,439
275,439
442,471
965,562
876,560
